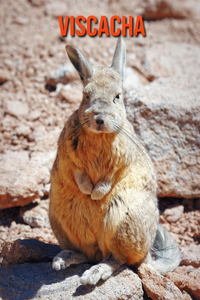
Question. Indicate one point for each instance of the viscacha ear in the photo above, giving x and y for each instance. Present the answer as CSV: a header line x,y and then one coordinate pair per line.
x,y
119,59
81,64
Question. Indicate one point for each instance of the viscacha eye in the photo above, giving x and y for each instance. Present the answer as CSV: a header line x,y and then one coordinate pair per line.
x,y
87,96
116,97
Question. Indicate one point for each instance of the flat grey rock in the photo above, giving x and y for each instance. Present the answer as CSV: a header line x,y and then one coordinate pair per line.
x,y
40,281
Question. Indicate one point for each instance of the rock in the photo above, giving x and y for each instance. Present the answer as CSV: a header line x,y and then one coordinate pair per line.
x,y
158,286
9,123
20,20
44,158
36,214
34,115
47,186
21,180
69,93
160,9
63,74
166,117
40,281
131,79
186,278
56,9
12,231
37,3
4,76
16,108
37,134
186,296
168,122
174,59
30,250
191,255
23,130
30,72
173,214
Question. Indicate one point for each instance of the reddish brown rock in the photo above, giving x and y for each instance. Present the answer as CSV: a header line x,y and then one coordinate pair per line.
x,y
191,255
14,231
160,9
186,278
30,250
158,286
21,180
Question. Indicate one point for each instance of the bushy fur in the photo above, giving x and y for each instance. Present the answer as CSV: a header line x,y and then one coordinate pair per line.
x,y
103,184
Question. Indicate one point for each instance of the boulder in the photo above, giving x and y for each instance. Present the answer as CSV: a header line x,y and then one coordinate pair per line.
x,y
40,281
186,278
10,231
158,286
166,117
21,180
71,93
63,74
27,250
17,108
170,59
132,79
191,255
22,130
160,9
173,214
36,214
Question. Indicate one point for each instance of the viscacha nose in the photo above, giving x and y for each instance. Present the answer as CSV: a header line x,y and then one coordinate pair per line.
x,y
99,121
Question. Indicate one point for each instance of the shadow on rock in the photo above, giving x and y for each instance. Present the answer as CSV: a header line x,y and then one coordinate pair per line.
x,y
37,280
26,269
26,273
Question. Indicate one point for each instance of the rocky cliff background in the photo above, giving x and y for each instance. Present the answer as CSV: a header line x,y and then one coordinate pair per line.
x,y
39,89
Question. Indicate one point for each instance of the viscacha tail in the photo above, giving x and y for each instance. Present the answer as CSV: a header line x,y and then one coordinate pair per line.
x,y
164,256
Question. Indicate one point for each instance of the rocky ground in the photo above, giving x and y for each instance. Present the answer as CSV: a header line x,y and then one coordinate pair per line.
x,y
40,89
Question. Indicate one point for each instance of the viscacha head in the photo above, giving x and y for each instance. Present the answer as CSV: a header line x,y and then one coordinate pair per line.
x,y
102,108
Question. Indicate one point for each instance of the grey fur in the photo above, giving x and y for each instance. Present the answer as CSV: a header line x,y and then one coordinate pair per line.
x,y
119,59
165,251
